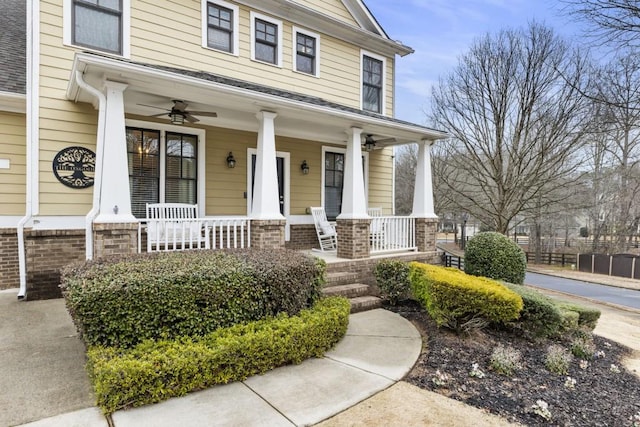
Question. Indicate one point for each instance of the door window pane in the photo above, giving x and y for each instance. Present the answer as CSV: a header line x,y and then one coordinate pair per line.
x,y
334,173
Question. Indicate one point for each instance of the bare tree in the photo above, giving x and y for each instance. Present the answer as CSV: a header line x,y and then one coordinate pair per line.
x,y
514,109
615,22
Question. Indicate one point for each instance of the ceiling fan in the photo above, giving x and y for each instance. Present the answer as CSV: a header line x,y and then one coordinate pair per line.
x,y
370,143
178,113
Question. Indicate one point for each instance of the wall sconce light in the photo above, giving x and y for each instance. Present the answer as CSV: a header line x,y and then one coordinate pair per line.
x,y
304,167
177,118
231,161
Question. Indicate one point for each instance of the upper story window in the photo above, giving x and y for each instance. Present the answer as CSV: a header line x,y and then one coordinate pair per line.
x,y
220,26
97,24
101,25
373,83
306,52
266,34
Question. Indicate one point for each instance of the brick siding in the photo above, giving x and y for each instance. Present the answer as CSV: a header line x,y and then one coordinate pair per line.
x,y
267,234
426,234
9,269
302,236
353,238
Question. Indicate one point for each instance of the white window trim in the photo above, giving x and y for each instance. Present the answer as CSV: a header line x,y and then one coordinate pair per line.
x,y
67,9
205,25
365,154
294,50
164,128
253,16
383,98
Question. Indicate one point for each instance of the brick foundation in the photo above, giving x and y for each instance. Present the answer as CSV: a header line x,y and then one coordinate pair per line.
x,y
115,239
353,238
302,236
46,252
9,269
267,234
426,234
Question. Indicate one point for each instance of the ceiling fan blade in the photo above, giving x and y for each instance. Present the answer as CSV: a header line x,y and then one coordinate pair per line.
x,y
159,115
153,106
188,117
203,113
180,105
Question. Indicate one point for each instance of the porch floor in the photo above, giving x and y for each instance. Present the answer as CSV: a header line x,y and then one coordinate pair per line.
x,y
332,257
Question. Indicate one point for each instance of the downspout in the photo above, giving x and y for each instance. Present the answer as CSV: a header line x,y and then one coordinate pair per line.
x,y
33,136
97,183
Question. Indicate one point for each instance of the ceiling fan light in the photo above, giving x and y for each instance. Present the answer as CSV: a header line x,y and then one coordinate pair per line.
x,y
369,143
176,117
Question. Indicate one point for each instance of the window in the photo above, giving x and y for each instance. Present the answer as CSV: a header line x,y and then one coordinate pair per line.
x,y
372,84
163,167
267,39
97,24
220,26
306,50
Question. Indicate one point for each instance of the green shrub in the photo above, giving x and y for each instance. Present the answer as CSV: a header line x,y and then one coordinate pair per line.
x,y
392,278
505,360
495,256
539,316
459,301
557,359
569,322
124,300
587,317
157,370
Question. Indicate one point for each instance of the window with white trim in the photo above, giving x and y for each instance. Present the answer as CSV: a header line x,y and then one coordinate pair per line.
x,y
306,52
266,39
100,25
97,24
372,83
163,167
220,26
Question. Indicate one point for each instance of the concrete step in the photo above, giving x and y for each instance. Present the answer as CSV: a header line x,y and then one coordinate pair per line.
x,y
364,303
350,291
341,278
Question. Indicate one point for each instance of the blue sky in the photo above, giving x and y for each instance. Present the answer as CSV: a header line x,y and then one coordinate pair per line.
x,y
441,30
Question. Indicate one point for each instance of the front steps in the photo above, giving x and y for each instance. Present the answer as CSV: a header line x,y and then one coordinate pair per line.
x,y
346,284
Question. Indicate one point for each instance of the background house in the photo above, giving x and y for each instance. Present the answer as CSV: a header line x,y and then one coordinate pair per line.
x,y
130,102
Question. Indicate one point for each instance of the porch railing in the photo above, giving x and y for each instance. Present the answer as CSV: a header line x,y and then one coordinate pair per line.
x,y
392,234
196,233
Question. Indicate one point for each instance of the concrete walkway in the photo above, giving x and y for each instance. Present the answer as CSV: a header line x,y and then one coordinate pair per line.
x,y
379,349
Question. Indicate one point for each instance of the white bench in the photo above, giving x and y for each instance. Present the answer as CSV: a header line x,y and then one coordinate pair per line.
x,y
175,226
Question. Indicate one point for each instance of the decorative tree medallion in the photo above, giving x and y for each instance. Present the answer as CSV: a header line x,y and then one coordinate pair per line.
x,y
75,167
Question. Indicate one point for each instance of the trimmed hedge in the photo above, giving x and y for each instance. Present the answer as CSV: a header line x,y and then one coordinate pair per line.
x,y
587,317
392,278
540,316
157,370
495,256
457,300
124,300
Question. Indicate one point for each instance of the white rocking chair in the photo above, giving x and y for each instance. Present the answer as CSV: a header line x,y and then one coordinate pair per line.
x,y
327,236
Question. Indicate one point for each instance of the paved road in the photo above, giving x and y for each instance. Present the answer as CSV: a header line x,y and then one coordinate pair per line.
x,y
623,297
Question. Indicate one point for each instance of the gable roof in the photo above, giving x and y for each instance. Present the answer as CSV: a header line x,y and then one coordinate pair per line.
x,y
13,46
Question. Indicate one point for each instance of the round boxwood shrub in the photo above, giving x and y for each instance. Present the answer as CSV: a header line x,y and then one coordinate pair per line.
x,y
495,256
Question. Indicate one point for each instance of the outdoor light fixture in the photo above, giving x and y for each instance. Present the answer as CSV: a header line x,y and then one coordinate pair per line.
x,y
177,118
304,167
231,162
369,143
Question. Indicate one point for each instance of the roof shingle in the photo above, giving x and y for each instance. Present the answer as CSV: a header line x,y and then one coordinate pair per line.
x,y
13,46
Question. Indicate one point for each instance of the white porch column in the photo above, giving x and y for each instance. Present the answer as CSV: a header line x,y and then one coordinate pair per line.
x,y
115,198
354,204
266,203
423,187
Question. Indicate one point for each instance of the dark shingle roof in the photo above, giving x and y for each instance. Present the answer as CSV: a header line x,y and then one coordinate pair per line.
x,y
13,46
307,99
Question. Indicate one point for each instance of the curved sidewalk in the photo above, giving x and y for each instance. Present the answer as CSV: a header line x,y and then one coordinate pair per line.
x,y
380,347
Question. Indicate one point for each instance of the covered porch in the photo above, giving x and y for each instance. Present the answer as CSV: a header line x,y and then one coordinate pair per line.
x,y
252,170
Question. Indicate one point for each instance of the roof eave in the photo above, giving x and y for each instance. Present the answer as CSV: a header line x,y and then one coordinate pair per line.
x,y
13,102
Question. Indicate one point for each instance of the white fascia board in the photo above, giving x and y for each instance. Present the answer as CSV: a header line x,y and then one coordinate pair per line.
x,y
13,102
84,61
362,14
317,21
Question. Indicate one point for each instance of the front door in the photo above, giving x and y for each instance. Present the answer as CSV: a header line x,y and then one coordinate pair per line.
x,y
282,168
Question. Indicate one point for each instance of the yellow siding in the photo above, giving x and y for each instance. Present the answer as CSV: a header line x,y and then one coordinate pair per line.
x,y
380,180
332,8
13,147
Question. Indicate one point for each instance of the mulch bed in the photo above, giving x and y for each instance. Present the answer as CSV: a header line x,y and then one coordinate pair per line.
x,y
600,397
